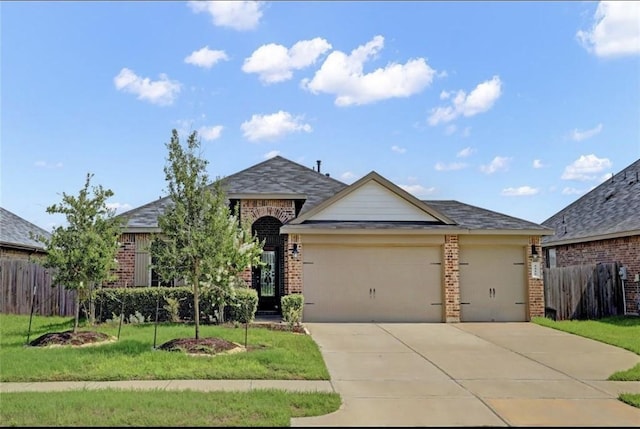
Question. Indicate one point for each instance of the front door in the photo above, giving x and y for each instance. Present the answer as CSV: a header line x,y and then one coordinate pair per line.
x,y
267,285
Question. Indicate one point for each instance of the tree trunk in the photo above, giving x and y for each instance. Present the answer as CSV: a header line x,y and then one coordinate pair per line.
x,y
77,309
196,299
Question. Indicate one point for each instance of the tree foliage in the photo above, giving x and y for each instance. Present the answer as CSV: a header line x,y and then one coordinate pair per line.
x,y
83,251
201,239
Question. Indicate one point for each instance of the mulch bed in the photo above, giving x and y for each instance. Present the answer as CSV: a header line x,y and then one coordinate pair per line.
x,y
201,346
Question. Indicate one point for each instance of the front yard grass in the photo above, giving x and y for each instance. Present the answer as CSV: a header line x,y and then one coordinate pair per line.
x,y
156,408
272,355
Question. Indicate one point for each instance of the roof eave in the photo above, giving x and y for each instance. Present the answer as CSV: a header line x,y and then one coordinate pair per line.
x,y
586,239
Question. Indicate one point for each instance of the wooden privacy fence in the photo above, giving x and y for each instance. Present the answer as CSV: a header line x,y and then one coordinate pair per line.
x,y
583,291
20,278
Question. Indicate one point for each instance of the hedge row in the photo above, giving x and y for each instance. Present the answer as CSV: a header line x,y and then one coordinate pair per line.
x,y
173,304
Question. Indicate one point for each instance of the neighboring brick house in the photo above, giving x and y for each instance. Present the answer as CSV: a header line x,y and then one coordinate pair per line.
x,y
16,241
602,226
369,251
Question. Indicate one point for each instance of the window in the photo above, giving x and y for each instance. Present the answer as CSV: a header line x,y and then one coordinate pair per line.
x,y
155,277
551,258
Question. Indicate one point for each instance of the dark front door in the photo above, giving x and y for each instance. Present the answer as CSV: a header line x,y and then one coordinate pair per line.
x,y
267,281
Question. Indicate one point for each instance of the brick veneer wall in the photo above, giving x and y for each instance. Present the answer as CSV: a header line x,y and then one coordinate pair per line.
x,y
451,279
624,250
283,210
535,287
126,261
293,267
26,255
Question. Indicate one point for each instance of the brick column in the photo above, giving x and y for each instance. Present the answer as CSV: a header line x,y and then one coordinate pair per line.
x,y
451,279
293,267
535,287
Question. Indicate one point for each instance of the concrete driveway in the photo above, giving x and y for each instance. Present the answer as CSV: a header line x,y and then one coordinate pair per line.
x,y
471,374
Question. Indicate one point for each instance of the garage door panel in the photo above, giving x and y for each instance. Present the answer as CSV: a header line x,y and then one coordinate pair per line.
x,y
492,284
364,284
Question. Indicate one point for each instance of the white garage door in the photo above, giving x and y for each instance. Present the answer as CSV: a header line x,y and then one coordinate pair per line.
x,y
492,284
372,284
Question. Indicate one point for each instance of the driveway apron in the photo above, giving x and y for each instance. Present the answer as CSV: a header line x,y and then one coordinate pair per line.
x,y
471,374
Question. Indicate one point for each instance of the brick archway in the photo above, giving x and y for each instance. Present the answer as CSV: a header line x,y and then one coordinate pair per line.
x,y
252,210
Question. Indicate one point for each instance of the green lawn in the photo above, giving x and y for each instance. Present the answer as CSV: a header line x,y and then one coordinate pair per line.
x,y
272,355
619,331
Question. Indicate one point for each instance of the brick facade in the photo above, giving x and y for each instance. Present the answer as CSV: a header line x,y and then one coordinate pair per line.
x,y
25,255
293,266
535,287
451,279
126,261
624,250
252,210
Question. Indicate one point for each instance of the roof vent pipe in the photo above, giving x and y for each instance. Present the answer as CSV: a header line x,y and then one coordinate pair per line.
x,y
318,161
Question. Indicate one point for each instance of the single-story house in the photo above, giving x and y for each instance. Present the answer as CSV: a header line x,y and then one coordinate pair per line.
x,y
602,226
368,251
16,240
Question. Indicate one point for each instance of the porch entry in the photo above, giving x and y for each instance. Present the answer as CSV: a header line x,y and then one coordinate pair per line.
x,y
267,280
267,284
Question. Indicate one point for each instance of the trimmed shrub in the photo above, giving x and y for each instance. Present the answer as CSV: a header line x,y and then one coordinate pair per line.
x,y
292,308
243,306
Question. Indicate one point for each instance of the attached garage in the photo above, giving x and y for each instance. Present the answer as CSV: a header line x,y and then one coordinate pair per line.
x,y
372,283
493,281
374,253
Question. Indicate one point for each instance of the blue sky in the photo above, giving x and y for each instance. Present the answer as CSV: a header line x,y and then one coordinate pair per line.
x,y
517,107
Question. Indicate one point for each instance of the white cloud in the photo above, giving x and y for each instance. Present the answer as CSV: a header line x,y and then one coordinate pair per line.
x,y
162,91
274,63
615,31
205,57
45,164
573,191
445,95
398,149
119,207
520,191
585,168
348,177
271,154
450,129
464,153
537,163
211,133
343,75
450,167
577,135
481,99
499,163
418,190
239,15
272,127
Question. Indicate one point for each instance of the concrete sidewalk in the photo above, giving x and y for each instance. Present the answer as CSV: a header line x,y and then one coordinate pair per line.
x,y
199,385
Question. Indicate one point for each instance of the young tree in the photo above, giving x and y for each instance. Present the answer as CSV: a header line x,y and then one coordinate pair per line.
x,y
201,240
83,252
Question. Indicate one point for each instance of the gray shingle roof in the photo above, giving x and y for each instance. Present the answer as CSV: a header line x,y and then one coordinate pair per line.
x,y
471,217
15,231
465,216
612,208
273,176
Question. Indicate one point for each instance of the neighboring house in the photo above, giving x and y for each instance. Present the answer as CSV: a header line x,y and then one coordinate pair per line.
x,y
602,226
369,251
17,237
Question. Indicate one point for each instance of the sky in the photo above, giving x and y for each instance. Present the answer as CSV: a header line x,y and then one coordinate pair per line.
x,y
515,107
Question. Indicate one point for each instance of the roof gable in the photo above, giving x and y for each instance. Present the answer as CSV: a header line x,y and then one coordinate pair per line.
x,y
373,198
611,209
